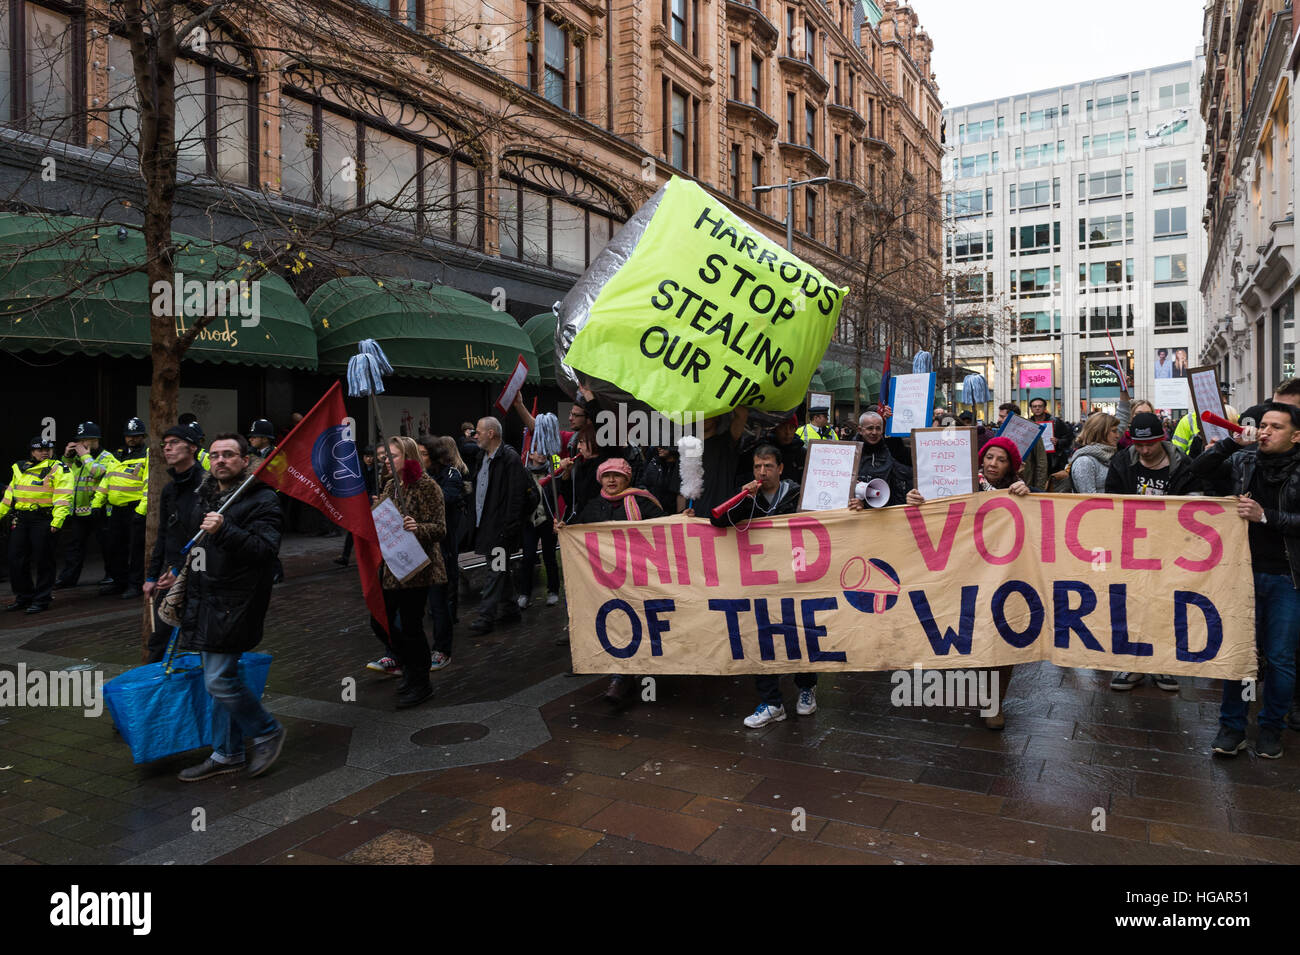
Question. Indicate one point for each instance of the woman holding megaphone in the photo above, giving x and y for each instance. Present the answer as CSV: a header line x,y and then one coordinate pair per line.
x,y
999,464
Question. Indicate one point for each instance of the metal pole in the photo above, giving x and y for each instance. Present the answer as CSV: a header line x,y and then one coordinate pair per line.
x,y
789,214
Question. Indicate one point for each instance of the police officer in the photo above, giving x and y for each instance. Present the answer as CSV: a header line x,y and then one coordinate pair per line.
x,y
188,420
40,495
87,465
817,428
125,489
261,438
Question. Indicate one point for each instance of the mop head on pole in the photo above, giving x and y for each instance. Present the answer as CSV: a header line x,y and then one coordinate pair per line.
x,y
546,437
366,370
691,450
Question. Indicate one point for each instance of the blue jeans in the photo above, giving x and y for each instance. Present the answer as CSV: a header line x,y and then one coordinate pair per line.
x,y
236,713
1277,632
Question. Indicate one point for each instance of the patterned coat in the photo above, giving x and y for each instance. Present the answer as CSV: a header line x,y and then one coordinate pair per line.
x,y
423,501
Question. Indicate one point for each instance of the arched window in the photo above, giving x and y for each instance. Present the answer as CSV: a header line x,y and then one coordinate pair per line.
x,y
552,215
42,68
216,105
348,144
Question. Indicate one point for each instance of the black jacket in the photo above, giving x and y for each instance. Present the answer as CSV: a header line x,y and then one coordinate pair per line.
x,y
176,515
1229,463
597,510
748,508
226,602
663,479
879,462
1121,480
452,483
503,509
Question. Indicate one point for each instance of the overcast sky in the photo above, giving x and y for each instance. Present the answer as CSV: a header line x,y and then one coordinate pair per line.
x,y
998,48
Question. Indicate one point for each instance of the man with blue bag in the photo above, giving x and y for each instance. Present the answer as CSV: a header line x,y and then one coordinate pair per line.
x,y
226,593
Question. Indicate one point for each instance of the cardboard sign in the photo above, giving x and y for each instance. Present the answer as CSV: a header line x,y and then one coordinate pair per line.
x,y
1171,393
512,387
1035,378
952,585
1023,432
944,461
830,471
911,397
1205,397
819,399
402,551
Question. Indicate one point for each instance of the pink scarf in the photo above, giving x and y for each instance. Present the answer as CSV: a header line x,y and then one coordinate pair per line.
x,y
628,497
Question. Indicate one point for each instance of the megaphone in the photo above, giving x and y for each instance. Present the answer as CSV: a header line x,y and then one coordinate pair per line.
x,y
875,492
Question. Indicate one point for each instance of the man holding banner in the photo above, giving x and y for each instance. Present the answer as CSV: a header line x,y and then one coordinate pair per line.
x,y
1266,481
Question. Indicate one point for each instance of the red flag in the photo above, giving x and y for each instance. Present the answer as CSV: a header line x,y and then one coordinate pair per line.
x,y
317,463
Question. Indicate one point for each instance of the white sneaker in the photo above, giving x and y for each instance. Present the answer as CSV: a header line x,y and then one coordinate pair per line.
x,y
522,601
552,599
807,704
765,714
438,660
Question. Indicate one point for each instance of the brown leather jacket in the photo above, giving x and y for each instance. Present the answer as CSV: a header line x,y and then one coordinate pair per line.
x,y
423,501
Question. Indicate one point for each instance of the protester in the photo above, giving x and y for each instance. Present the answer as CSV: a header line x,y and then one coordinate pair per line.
x,y
177,514
498,516
663,477
617,501
1090,463
420,503
1266,481
225,606
878,461
1061,434
535,533
450,473
1152,466
469,450
999,464
1035,471
769,495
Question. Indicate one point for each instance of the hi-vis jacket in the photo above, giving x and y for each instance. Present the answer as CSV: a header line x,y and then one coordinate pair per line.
x,y
126,483
87,473
810,433
39,484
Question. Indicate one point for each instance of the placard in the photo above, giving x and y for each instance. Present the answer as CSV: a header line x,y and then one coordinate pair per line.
x,y
819,399
944,461
1171,393
1023,432
911,397
402,550
1035,378
513,385
1205,397
830,472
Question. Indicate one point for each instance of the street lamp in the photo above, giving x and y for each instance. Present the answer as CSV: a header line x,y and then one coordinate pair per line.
x,y
788,186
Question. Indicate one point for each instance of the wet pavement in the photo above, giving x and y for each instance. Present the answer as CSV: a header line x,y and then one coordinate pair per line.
x,y
515,761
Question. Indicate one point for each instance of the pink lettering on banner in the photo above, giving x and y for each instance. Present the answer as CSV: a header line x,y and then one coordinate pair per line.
x,y
643,554
1187,518
1048,530
1131,533
746,549
1018,519
707,534
813,569
680,556
936,558
618,575
1077,514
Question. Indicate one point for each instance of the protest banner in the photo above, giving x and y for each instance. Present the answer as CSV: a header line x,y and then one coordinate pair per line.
x,y
1172,393
911,397
401,549
1023,432
690,309
818,399
1204,389
516,381
981,580
944,461
830,471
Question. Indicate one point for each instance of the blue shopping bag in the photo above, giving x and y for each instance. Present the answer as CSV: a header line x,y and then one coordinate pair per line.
x,y
163,708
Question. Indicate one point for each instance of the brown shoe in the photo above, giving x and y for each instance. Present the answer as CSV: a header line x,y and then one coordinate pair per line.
x,y
620,687
995,722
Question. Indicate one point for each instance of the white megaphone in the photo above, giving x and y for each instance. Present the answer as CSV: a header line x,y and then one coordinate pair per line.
x,y
875,492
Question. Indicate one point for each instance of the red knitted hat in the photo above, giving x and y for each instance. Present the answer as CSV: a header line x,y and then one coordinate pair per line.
x,y
1007,445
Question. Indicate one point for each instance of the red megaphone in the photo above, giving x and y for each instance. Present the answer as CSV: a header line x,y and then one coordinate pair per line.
x,y
1211,418
730,503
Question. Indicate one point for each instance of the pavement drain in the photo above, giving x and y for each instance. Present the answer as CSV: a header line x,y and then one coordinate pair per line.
x,y
449,734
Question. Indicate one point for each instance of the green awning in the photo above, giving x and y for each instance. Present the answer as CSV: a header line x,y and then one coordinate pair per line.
x,y
816,383
838,380
541,329
75,267
426,331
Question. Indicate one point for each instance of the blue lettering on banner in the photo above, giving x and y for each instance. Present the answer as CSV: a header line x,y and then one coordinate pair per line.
x,y
657,627
965,625
1119,641
1213,627
622,653
733,609
1069,618
1018,638
788,628
812,631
